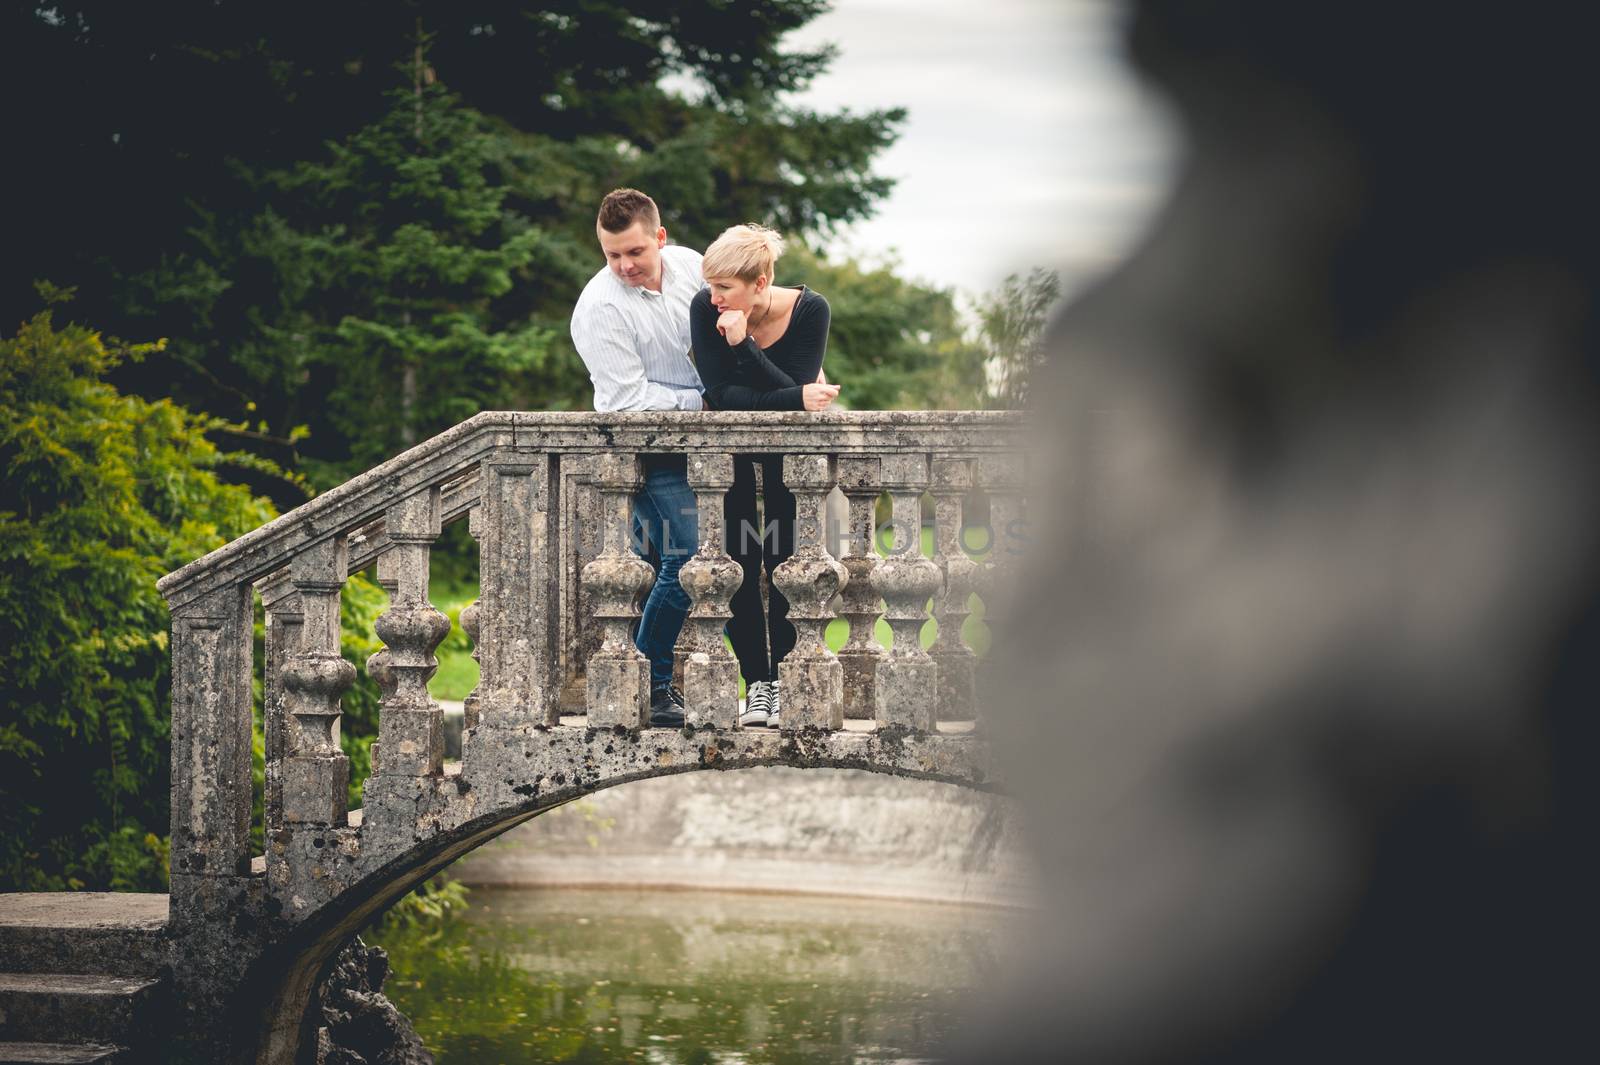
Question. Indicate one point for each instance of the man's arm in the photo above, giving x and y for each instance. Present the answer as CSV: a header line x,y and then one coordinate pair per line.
x,y
605,343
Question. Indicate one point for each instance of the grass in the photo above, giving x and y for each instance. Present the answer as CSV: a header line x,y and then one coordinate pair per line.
x,y
458,673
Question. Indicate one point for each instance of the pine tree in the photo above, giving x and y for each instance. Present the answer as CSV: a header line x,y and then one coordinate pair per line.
x,y
105,494
390,256
180,171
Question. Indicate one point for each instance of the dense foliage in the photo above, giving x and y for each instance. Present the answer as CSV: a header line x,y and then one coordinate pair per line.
x,y
893,343
351,256
1011,324
387,256
105,494
357,224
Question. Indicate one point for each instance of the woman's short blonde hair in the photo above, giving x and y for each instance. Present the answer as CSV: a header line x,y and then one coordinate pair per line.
x,y
745,252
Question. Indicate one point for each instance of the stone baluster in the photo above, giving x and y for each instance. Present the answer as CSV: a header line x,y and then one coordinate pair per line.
x,y
812,679
618,674
860,481
952,480
410,723
469,625
211,660
378,662
906,688
316,772
285,619
1001,480
711,676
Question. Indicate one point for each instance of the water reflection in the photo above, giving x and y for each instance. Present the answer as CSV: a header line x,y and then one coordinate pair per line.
x,y
683,978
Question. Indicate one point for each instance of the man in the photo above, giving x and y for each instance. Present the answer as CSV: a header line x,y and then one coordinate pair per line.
x,y
631,326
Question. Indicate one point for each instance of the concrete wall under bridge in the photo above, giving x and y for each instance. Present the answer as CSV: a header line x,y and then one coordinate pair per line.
x,y
773,830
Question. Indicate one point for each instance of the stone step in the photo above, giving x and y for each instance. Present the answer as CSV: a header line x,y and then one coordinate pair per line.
x,y
67,1007
92,932
62,1054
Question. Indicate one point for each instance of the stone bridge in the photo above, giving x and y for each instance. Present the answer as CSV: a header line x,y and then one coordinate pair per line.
x,y
561,708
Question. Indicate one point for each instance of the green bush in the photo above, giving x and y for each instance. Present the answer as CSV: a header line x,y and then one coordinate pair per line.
x,y
104,494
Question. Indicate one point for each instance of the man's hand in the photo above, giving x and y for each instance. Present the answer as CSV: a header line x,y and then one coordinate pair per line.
x,y
733,326
822,376
818,395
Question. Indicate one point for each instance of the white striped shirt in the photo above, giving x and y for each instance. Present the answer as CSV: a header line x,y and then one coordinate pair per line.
x,y
635,342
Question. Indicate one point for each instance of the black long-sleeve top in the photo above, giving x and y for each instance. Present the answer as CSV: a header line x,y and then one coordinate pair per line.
x,y
746,377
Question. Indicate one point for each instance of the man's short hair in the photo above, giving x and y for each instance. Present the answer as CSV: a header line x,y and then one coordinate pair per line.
x,y
623,207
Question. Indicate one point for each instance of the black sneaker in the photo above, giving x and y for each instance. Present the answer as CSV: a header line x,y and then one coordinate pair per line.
x,y
757,704
665,711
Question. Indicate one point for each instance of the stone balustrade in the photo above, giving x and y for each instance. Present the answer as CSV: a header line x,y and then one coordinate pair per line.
x,y
548,497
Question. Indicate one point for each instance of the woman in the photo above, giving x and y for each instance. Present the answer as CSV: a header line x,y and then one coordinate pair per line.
x,y
758,347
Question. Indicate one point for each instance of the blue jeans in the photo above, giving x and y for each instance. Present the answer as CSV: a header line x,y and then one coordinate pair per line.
x,y
664,512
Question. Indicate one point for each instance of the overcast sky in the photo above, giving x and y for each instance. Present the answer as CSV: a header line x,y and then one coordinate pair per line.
x,y
1028,143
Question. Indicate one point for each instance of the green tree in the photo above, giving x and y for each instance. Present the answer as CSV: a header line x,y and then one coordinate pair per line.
x,y
160,139
104,494
107,492
893,343
388,256
1011,323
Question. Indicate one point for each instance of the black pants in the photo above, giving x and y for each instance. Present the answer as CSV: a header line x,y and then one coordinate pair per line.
x,y
756,542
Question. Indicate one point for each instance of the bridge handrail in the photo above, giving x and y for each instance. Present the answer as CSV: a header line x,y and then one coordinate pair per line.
x,y
549,492
453,456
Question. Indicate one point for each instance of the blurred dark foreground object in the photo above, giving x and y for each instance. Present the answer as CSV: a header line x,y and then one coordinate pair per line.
x,y
1306,676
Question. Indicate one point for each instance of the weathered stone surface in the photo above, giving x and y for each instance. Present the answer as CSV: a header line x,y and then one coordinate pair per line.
x,y
412,744
618,675
211,641
711,690
711,577
517,638
359,1025
81,976
813,682
315,771
955,698
285,619
66,1054
410,726
836,832
314,789
860,479
582,538
526,770
619,688
219,927
317,871
60,1006
905,685
548,499
451,456
99,932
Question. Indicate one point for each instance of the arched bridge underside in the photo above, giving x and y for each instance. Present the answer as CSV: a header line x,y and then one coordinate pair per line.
x,y
292,924
548,499
410,827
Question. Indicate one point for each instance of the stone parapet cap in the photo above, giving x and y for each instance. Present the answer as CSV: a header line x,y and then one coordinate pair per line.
x,y
449,460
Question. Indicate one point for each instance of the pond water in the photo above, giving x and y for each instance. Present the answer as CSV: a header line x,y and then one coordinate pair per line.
x,y
691,978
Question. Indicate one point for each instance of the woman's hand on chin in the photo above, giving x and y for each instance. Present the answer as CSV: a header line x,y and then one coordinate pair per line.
x,y
818,396
733,326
